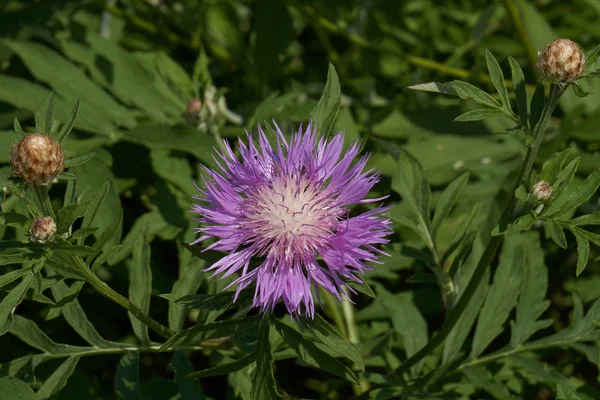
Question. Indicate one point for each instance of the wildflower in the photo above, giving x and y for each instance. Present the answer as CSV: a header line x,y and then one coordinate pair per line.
x,y
42,229
288,206
542,190
37,159
561,61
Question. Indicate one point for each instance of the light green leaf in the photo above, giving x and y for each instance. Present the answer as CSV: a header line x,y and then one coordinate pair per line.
x,y
534,284
564,392
502,295
446,201
479,114
407,321
325,113
555,231
497,79
58,380
577,197
465,90
127,380
263,382
140,285
73,162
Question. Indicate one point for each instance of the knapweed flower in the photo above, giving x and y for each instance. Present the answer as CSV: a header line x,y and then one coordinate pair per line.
x,y
37,159
561,61
282,215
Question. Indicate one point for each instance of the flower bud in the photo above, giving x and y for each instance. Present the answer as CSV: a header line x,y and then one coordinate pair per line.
x,y
192,111
561,61
542,190
37,159
42,229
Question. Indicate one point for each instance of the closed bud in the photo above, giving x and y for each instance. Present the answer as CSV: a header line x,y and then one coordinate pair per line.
x,y
561,61
542,191
37,159
42,229
192,112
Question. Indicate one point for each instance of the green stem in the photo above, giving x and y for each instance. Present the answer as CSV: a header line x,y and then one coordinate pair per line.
x,y
42,194
335,313
106,291
490,251
348,310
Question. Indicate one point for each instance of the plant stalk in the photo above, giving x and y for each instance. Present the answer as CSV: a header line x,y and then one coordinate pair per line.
x,y
490,250
42,194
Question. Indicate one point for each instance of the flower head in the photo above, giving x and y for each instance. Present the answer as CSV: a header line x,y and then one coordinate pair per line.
x,y
288,207
37,159
542,190
42,229
562,61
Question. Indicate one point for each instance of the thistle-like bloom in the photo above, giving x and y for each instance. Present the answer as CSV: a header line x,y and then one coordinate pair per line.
x,y
287,207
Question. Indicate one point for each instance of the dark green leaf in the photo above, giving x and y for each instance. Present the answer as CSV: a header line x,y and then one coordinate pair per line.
x,y
11,301
325,113
66,129
68,214
43,115
127,381
190,389
212,302
564,392
580,195
17,128
225,369
497,79
537,105
447,200
583,251
14,389
263,382
555,231
58,380
73,162
140,285
518,80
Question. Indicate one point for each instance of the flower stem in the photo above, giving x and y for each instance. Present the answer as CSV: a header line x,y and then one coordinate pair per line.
x,y
490,250
348,310
42,194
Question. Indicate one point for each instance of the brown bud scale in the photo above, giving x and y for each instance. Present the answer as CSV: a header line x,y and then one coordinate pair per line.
x,y
37,159
562,61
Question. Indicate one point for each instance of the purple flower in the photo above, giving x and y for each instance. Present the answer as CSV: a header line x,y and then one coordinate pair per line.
x,y
287,207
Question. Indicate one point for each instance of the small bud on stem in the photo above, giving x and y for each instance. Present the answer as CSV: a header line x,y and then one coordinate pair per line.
x,y
542,191
42,229
561,61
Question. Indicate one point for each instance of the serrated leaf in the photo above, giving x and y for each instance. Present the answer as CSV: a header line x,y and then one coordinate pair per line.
x,y
534,284
263,382
140,285
502,295
199,333
11,301
479,114
189,389
555,231
58,380
310,353
68,126
127,380
329,336
325,113
447,200
497,79
407,321
518,80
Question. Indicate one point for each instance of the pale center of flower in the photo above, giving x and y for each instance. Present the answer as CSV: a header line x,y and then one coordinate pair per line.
x,y
293,216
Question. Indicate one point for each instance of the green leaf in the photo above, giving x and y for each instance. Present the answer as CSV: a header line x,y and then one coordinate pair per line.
x,y
536,106
68,126
310,353
480,378
263,382
534,285
27,331
465,90
497,79
583,251
407,321
325,113
559,186
96,204
67,215
58,380
12,276
198,333
329,336
564,392
225,369
11,301
589,219
553,166
73,250
518,80
140,285
577,197
555,231
188,282
43,115
502,295
14,389
127,380
479,114
190,389
212,302
446,201
73,162
17,128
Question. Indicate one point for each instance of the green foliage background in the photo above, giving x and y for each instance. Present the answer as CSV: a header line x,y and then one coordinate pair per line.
x,y
531,329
